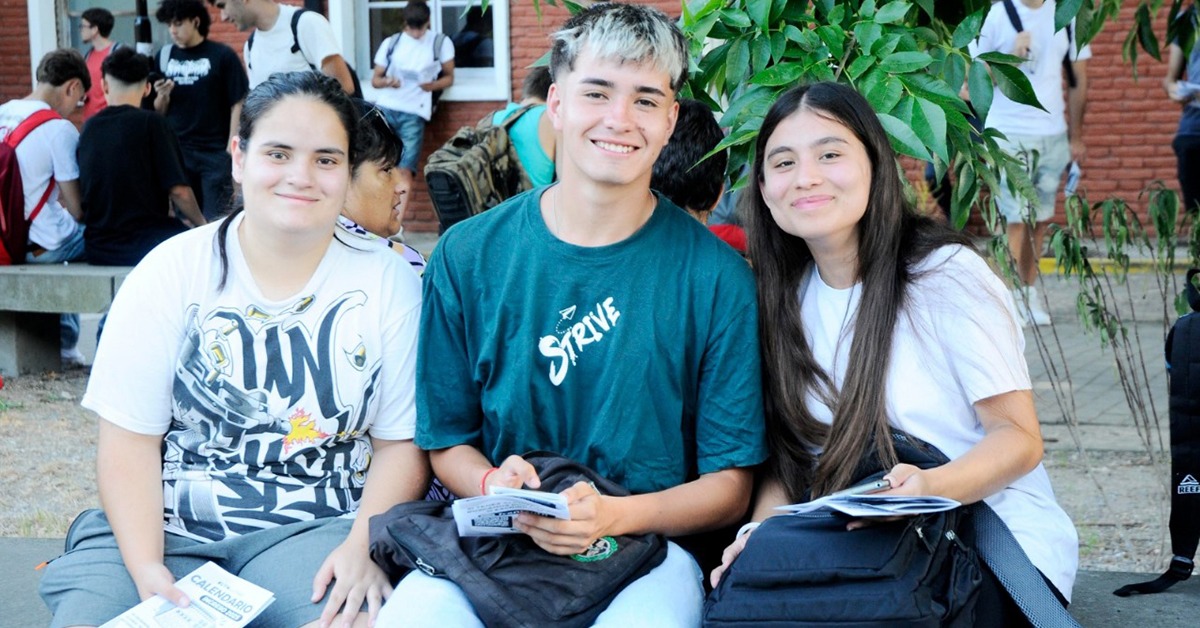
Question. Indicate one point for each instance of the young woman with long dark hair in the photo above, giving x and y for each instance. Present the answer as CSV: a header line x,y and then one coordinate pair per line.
x,y
874,318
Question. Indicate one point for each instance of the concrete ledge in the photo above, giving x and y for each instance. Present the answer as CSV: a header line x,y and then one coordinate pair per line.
x,y
1094,605
54,288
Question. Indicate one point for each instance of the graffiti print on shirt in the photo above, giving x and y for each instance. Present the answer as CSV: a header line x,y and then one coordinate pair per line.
x,y
574,331
270,419
188,71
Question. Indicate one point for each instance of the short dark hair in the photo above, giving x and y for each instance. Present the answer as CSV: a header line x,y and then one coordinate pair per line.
x,y
679,173
126,65
375,141
416,14
537,83
62,65
183,10
101,19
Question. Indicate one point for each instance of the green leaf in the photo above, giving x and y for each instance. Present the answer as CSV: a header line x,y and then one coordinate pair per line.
x,y
903,140
737,62
892,12
760,53
886,45
702,27
979,85
1064,10
883,93
926,6
1014,84
867,33
834,38
859,66
968,30
735,18
933,88
760,13
929,123
994,58
825,6
867,8
779,74
820,71
954,71
1145,32
778,46
902,62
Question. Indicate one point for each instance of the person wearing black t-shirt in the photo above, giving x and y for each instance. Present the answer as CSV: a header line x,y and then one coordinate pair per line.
x,y
131,171
200,93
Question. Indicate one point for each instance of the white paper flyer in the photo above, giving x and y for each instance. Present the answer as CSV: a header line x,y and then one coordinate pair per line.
x,y
219,599
495,513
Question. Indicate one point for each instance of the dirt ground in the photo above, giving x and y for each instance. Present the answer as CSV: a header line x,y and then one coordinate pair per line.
x,y
47,469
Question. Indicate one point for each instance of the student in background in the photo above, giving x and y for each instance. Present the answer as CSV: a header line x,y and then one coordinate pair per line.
x,y
532,135
683,175
131,171
95,25
201,95
378,194
50,171
407,73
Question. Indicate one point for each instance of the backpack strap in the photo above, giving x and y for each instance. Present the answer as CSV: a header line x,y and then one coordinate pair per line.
x,y
164,57
393,41
1011,10
27,126
249,47
516,114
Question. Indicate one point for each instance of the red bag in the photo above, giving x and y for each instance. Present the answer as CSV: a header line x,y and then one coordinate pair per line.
x,y
14,227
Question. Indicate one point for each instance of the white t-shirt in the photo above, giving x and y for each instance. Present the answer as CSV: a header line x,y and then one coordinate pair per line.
x,y
272,51
49,151
411,55
1044,68
956,342
266,406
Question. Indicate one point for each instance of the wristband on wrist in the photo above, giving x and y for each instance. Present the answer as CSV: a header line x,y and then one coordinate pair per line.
x,y
483,482
747,529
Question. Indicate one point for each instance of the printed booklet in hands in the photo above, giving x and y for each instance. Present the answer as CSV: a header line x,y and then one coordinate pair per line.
x,y
219,599
496,512
874,505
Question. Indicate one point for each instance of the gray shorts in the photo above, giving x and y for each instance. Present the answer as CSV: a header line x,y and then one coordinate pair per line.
x,y
88,585
1053,155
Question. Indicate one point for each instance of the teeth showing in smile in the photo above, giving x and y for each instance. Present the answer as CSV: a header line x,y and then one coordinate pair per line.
x,y
616,148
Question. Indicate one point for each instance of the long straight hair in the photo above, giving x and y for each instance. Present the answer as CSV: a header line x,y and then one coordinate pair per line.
x,y
892,239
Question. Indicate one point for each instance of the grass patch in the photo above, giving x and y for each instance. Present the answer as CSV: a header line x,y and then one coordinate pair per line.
x,y
8,404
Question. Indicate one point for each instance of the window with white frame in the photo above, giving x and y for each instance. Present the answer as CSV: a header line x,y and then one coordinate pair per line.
x,y
481,52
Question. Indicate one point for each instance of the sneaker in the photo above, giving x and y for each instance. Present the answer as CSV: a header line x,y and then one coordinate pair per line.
x,y
72,358
1037,310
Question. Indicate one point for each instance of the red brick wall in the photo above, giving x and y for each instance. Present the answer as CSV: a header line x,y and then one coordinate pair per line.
x,y
1128,127
16,70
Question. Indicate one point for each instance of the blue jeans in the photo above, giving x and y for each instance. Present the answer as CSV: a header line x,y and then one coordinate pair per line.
x,y
70,251
410,129
672,594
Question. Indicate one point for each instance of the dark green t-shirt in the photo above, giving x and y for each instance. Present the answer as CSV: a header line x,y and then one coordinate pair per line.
x,y
639,359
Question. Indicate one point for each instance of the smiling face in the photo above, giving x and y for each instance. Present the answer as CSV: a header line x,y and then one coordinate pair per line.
x,y
376,198
816,180
294,177
614,119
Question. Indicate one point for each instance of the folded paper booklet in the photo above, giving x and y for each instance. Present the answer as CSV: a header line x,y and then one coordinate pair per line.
x,y
496,512
219,599
875,505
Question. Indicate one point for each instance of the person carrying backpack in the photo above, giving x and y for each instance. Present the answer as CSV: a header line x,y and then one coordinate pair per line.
x,y
412,68
285,38
48,174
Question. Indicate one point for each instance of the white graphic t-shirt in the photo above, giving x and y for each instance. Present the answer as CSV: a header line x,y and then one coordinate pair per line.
x,y
266,406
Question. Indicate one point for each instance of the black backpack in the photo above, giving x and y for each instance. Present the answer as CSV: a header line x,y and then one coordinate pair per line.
x,y
808,570
436,94
358,92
